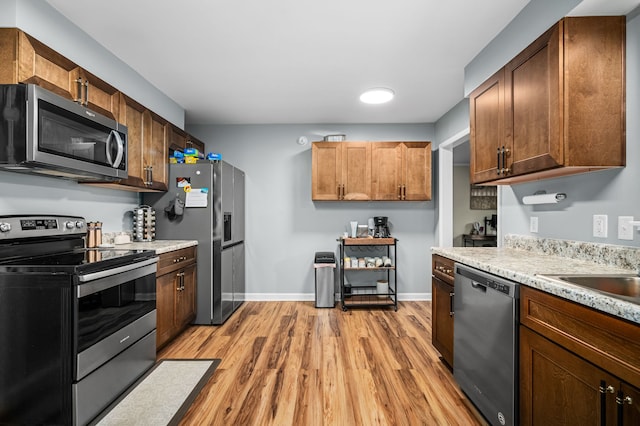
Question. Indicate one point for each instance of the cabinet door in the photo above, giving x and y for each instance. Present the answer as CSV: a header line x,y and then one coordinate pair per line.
x,y
185,301
558,387
486,107
416,171
131,115
386,170
166,289
326,171
442,327
94,93
629,409
177,139
534,107
155,153
195,143
356,171
41,65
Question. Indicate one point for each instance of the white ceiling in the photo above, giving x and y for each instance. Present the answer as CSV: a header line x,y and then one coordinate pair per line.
x,y
298,61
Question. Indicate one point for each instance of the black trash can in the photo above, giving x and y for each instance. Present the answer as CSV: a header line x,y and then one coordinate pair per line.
x,y
325,266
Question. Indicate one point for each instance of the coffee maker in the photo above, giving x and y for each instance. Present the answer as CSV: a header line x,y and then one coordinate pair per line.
x,y
381,229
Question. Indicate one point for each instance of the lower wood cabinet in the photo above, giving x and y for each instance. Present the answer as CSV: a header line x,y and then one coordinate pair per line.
x,y
577,365
175,293
442,307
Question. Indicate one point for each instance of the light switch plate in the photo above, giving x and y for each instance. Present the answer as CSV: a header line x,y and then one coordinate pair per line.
x,y
533,224
600,225
625,229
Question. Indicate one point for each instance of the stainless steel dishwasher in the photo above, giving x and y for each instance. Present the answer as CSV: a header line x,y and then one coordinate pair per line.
x,y
485,343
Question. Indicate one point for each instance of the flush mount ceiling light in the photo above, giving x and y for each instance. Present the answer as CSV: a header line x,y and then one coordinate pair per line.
x,y
378,95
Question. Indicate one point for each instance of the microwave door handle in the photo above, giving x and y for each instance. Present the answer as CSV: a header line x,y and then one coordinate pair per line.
x,y
115,163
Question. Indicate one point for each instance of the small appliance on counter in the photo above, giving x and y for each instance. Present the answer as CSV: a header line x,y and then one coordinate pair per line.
x,y
381,229
144,223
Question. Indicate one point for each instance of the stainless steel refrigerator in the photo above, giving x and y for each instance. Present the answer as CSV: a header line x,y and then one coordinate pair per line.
x,y
213,213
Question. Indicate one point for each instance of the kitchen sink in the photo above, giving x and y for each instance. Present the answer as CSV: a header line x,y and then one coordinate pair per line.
x,y
623,286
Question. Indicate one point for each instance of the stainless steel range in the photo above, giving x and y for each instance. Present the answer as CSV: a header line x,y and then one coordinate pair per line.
x,y
77,325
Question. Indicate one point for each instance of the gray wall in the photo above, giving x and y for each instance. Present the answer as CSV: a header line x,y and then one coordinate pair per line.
x,y
285,228
25,194
453,122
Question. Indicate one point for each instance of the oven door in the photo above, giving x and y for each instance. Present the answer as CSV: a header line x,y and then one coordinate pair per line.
x,y
115,309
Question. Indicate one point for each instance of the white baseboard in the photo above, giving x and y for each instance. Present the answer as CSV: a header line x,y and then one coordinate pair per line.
x,y
307,297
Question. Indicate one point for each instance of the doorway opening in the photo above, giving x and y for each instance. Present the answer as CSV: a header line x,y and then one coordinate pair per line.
x,y
445,229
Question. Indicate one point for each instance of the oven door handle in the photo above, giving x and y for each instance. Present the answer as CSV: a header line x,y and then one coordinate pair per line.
x,y
98,281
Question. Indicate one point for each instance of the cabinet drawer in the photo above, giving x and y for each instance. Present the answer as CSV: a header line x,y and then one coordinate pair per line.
x,y
176,259
609,342
442,268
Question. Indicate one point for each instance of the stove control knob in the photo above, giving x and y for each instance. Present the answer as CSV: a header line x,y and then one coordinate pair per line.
x,y
69,224
5,227
79,224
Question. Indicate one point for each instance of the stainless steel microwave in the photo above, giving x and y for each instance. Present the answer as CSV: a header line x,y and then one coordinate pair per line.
x,y
46,134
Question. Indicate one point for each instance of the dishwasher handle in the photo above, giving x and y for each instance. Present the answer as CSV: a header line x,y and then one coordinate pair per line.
x,y
478,286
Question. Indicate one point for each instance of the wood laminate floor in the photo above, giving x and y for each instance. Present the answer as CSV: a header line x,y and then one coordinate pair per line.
x,y
288,363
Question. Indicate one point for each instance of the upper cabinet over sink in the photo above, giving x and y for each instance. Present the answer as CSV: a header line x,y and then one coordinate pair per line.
x,y
557,108
371,171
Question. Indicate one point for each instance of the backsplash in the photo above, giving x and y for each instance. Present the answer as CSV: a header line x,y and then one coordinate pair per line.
x,y
606,254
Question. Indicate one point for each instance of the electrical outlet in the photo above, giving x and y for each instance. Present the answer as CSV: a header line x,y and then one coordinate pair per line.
x,y
533,224
600,225
625,229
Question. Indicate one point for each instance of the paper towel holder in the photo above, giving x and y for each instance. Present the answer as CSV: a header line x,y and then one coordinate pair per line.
x,y
541,197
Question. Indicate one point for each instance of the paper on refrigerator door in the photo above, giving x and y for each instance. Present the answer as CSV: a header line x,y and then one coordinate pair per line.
x,y
197,197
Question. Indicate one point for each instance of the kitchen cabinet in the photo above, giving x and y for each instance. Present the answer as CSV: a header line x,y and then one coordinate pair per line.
x,y
147,149
486,109
364,291
176,282
177,139
442,291
192,142
341,171
557,108
23,59
94,93
577,365
371,171
401,171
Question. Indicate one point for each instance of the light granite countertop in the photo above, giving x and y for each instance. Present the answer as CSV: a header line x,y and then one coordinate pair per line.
x,y
525,267
159,246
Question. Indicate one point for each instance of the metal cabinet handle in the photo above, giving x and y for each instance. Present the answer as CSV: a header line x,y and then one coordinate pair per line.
x,y
498,169
604,389
621,399
86,92
399,192
451,295
505,169
79,89
180,276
